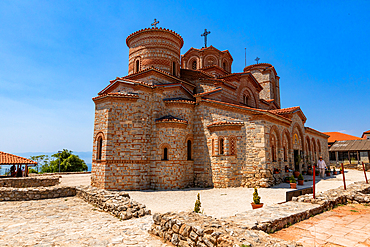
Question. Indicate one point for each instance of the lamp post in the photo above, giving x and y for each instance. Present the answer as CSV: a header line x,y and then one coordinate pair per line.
x,y
59,152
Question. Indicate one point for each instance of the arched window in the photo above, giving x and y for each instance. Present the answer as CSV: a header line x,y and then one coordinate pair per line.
x,y
165,154
99,148
224,65
194,65
221,146
245,99
137,66
189,150
174,68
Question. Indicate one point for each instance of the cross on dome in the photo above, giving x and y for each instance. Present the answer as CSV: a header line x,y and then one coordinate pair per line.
x,y
155,23
205,36
257,59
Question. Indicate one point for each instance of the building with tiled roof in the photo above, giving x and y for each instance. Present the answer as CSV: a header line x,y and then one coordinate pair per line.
x,y
338,136
11,159
182,120
366,135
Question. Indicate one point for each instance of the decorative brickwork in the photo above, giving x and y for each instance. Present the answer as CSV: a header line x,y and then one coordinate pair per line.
x,y
162,127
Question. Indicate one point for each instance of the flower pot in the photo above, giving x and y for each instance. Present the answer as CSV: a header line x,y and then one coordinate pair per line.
x,y
296,174
293,185
309,172
304,173
255,206
335,173
300,182
327,174
341,172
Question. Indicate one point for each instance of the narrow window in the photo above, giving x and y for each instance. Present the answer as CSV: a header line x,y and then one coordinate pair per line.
x,y
232,146
189,150
245,99
173,68
213,147
165,154
224,66
285,155
221,146
99,148
273,151
194,65
137,66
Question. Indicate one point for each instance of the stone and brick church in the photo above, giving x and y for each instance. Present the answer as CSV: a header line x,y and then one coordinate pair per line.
x,y
187,120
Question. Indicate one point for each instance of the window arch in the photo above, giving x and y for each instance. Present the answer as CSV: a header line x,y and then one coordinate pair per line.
x,y
99,146
221,146
189,150
194,65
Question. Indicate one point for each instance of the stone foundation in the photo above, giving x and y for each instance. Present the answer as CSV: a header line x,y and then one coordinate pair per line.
x,y
192,229
117,203
26,182
35,193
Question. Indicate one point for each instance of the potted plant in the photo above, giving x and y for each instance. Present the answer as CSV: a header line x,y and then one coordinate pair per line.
x,y
300,179
341,171
317,172
296,174
309,170
334,171
276,171
293,183
256,200
327,172
303,173
287,180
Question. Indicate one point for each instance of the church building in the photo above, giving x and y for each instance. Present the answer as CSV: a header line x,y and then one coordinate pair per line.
x,y
178,121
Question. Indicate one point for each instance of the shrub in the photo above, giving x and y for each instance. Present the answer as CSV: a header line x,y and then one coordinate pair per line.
x,y
31,170
300,177
256,197
197,204
292,179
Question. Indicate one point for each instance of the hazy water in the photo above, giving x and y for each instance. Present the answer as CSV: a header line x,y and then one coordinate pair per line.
x,y
86,156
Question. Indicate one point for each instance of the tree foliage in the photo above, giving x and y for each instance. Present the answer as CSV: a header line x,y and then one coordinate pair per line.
x,y
68,162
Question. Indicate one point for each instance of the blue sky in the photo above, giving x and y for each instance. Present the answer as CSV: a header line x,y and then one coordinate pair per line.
x,y
56,55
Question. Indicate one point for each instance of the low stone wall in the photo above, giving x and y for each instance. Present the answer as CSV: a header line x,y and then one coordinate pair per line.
x,y
25,182
192,229
56,173
35,193
117,203
357,192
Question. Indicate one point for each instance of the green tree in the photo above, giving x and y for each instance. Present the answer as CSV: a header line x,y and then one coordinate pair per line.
x,y
68,163
41,160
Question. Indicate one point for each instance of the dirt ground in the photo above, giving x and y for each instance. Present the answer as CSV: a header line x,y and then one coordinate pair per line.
x,y
346,225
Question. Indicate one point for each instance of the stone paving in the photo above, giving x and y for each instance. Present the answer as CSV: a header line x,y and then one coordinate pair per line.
x,y
69,222
344,226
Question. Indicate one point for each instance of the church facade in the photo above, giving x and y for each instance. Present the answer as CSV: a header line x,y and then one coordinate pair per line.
x,y
187,120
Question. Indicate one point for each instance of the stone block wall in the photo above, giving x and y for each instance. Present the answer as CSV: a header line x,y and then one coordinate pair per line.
x,y
35,193
118,204
25,182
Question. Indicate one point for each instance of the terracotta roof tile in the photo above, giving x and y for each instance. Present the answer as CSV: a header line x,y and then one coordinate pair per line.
x,y
179,100
9,159
226,123
218,89
170,119
286,110
337,136
154,29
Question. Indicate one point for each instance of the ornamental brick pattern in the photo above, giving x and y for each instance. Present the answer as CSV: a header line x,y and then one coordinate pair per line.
x,y
162,127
